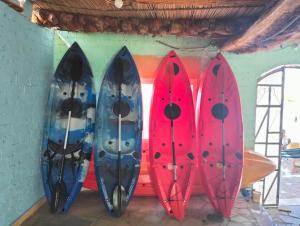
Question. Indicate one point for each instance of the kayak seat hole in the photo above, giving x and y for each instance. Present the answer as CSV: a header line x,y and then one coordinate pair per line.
x,y
180,145
162,98
81,94
179,99
211,165
144,151
113,95
181,167
163,144
190,155
143,185
164,166
209,99
101,154
110,142
157,155
205,154
64,93
127,143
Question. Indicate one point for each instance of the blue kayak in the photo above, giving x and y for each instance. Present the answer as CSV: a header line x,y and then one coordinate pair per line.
x,y
69,130
118,133
291,153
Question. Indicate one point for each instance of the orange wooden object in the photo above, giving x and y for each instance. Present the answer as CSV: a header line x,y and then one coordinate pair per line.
x,y
256,167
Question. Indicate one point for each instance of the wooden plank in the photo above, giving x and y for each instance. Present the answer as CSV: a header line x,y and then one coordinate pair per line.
x,y
265,27
29,212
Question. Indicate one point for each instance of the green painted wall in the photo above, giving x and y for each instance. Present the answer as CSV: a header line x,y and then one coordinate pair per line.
x,y
248,68
26,53
100,48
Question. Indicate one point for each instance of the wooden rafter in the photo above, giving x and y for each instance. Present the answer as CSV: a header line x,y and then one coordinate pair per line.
x,y
270,27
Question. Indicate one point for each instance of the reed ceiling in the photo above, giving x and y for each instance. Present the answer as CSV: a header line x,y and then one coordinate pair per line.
x,y
233,25
169,9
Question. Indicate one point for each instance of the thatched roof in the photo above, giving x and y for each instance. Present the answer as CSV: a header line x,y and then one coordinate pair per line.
x,y
159,8
234,25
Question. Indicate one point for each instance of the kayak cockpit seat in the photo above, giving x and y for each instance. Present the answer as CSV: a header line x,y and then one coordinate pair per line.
x,y
59,148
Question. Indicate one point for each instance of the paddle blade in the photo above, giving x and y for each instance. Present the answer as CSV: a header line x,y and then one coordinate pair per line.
x,y
119,200
176,202
58,197
76,68
119,71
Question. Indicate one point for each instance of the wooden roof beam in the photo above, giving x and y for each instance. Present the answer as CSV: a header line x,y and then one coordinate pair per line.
x,y
265,30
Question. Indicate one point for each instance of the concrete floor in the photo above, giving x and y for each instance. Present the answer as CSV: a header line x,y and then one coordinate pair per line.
x,y
89,211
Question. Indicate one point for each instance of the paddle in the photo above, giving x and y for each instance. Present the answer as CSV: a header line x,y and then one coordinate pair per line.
x,y
119,193
60,192
223,138
173,111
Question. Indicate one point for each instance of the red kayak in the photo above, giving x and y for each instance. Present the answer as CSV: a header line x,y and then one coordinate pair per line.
x,y
172,136
220,135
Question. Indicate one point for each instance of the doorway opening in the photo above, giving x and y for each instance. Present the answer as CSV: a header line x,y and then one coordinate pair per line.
x,y
277,128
